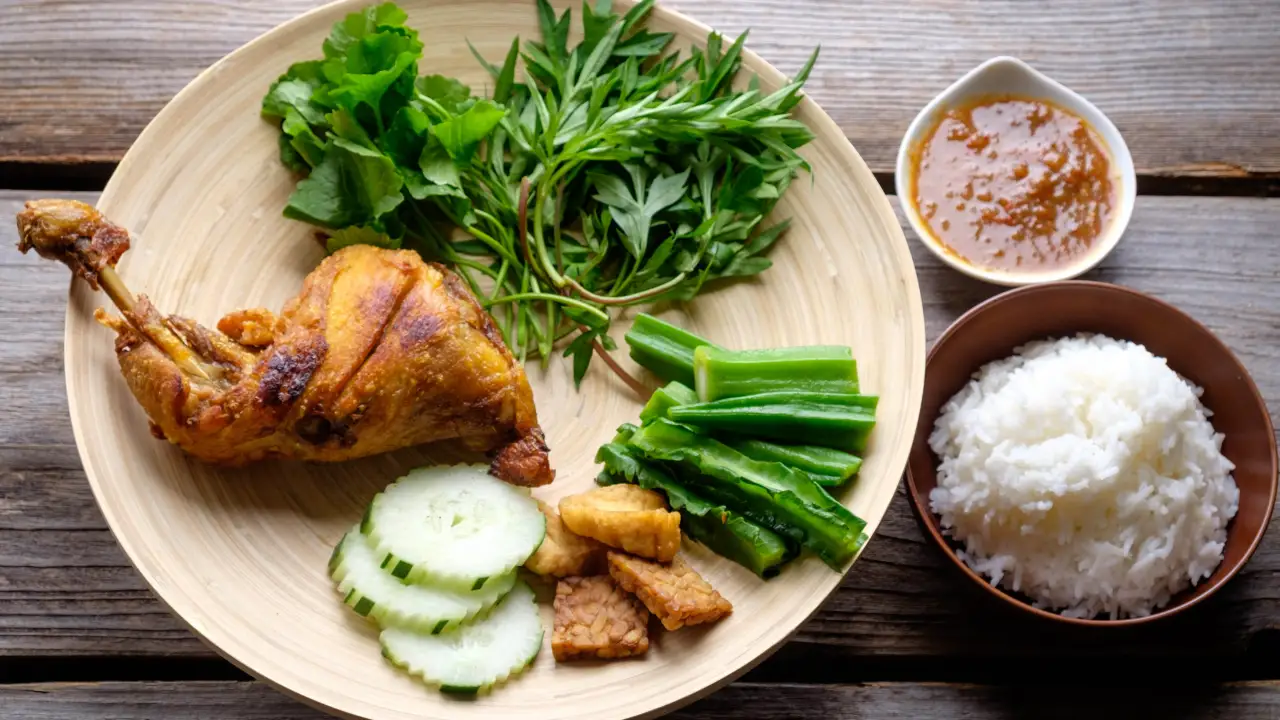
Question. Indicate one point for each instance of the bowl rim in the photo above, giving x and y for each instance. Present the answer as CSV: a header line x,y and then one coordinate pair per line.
x,y
926,516
1114,144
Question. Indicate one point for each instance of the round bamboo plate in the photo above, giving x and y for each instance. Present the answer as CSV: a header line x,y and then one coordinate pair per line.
x,y
241,555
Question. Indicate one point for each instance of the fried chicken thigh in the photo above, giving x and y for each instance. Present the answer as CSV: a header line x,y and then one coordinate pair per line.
x,y
379,351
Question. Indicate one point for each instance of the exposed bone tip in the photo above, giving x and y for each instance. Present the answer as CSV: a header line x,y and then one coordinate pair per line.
x,y
76,234
51,227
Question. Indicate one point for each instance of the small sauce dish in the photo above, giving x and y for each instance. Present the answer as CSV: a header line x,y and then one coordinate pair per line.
x,y
1012,178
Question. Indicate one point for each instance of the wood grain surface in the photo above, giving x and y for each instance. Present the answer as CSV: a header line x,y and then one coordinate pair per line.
x,y
876,701
1194,86
66,589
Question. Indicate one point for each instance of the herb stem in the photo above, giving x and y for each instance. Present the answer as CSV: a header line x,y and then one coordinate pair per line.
x,y
544,343
636,386
431,103
488,240
617,281
501,279
484,269
572,302
625,299
557,229
466,275
539,243
635,267
523,219
551,332
522,317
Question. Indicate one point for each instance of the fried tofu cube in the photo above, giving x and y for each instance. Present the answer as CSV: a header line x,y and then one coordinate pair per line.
x,y
597,619
564,553
676,594
626,517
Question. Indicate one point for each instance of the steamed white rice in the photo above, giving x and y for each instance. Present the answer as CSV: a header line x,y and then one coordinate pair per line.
x,y
1085,474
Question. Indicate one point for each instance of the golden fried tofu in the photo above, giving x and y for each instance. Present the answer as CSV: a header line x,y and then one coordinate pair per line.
x,y
625,517
564,553
597,619
675,593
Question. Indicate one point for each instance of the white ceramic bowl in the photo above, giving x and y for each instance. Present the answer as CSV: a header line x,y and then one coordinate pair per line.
x,y
1011,76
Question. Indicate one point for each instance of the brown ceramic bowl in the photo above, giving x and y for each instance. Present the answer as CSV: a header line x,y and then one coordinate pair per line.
x,y
993,329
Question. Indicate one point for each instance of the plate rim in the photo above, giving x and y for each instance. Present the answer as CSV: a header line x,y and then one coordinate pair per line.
x,y
849,158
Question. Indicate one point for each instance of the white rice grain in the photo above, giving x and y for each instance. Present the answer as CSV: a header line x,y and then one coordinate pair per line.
x,y
1085,474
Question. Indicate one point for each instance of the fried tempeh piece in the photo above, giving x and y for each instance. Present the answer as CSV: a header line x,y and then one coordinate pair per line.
x,y
597,619
675,593
625,517
564,553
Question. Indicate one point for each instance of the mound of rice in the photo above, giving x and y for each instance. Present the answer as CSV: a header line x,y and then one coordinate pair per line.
x,y
1084,473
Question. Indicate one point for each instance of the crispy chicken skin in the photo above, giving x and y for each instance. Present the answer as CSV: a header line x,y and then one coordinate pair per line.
x,y
379,351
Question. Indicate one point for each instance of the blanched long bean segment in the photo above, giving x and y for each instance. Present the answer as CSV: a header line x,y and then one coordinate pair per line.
x,y
784,500
720,373
830,420
828,466
663,349
665,398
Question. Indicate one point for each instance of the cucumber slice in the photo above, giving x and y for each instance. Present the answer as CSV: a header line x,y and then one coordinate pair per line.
x,y
373,593
477,655
456,527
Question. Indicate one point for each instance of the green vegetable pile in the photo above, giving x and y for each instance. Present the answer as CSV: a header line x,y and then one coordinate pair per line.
x,y
614,173
716,440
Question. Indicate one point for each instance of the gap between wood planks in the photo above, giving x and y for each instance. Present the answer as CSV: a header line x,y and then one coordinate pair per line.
x,y
88,175
794,664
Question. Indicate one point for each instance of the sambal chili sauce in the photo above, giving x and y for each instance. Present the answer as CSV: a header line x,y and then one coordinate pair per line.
x,y
1014,184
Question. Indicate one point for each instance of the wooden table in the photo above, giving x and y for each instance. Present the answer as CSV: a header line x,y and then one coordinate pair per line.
x,y
1193,85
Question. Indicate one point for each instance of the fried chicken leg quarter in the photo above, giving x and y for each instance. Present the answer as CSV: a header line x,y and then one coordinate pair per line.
x,y
379,351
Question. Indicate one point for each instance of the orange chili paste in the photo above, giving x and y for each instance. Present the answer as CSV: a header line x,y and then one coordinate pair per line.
x,y
1013,184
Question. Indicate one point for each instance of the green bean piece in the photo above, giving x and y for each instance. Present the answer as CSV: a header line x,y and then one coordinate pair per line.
x,y
666,397
829,467
663,349
785,417
720,373
783,500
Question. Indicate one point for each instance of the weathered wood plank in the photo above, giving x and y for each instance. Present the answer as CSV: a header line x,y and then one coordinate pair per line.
x,y
1194,86
912,701
66,589
882,701
147,701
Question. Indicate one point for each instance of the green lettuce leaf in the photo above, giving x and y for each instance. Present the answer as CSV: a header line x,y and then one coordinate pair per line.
x,y
448,92
290,157
295,89
359,235
462,134
353,185
304,142
406,136
375,78
358,25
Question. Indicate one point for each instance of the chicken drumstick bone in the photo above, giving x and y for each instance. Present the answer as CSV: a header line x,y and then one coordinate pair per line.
x,y
379,351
